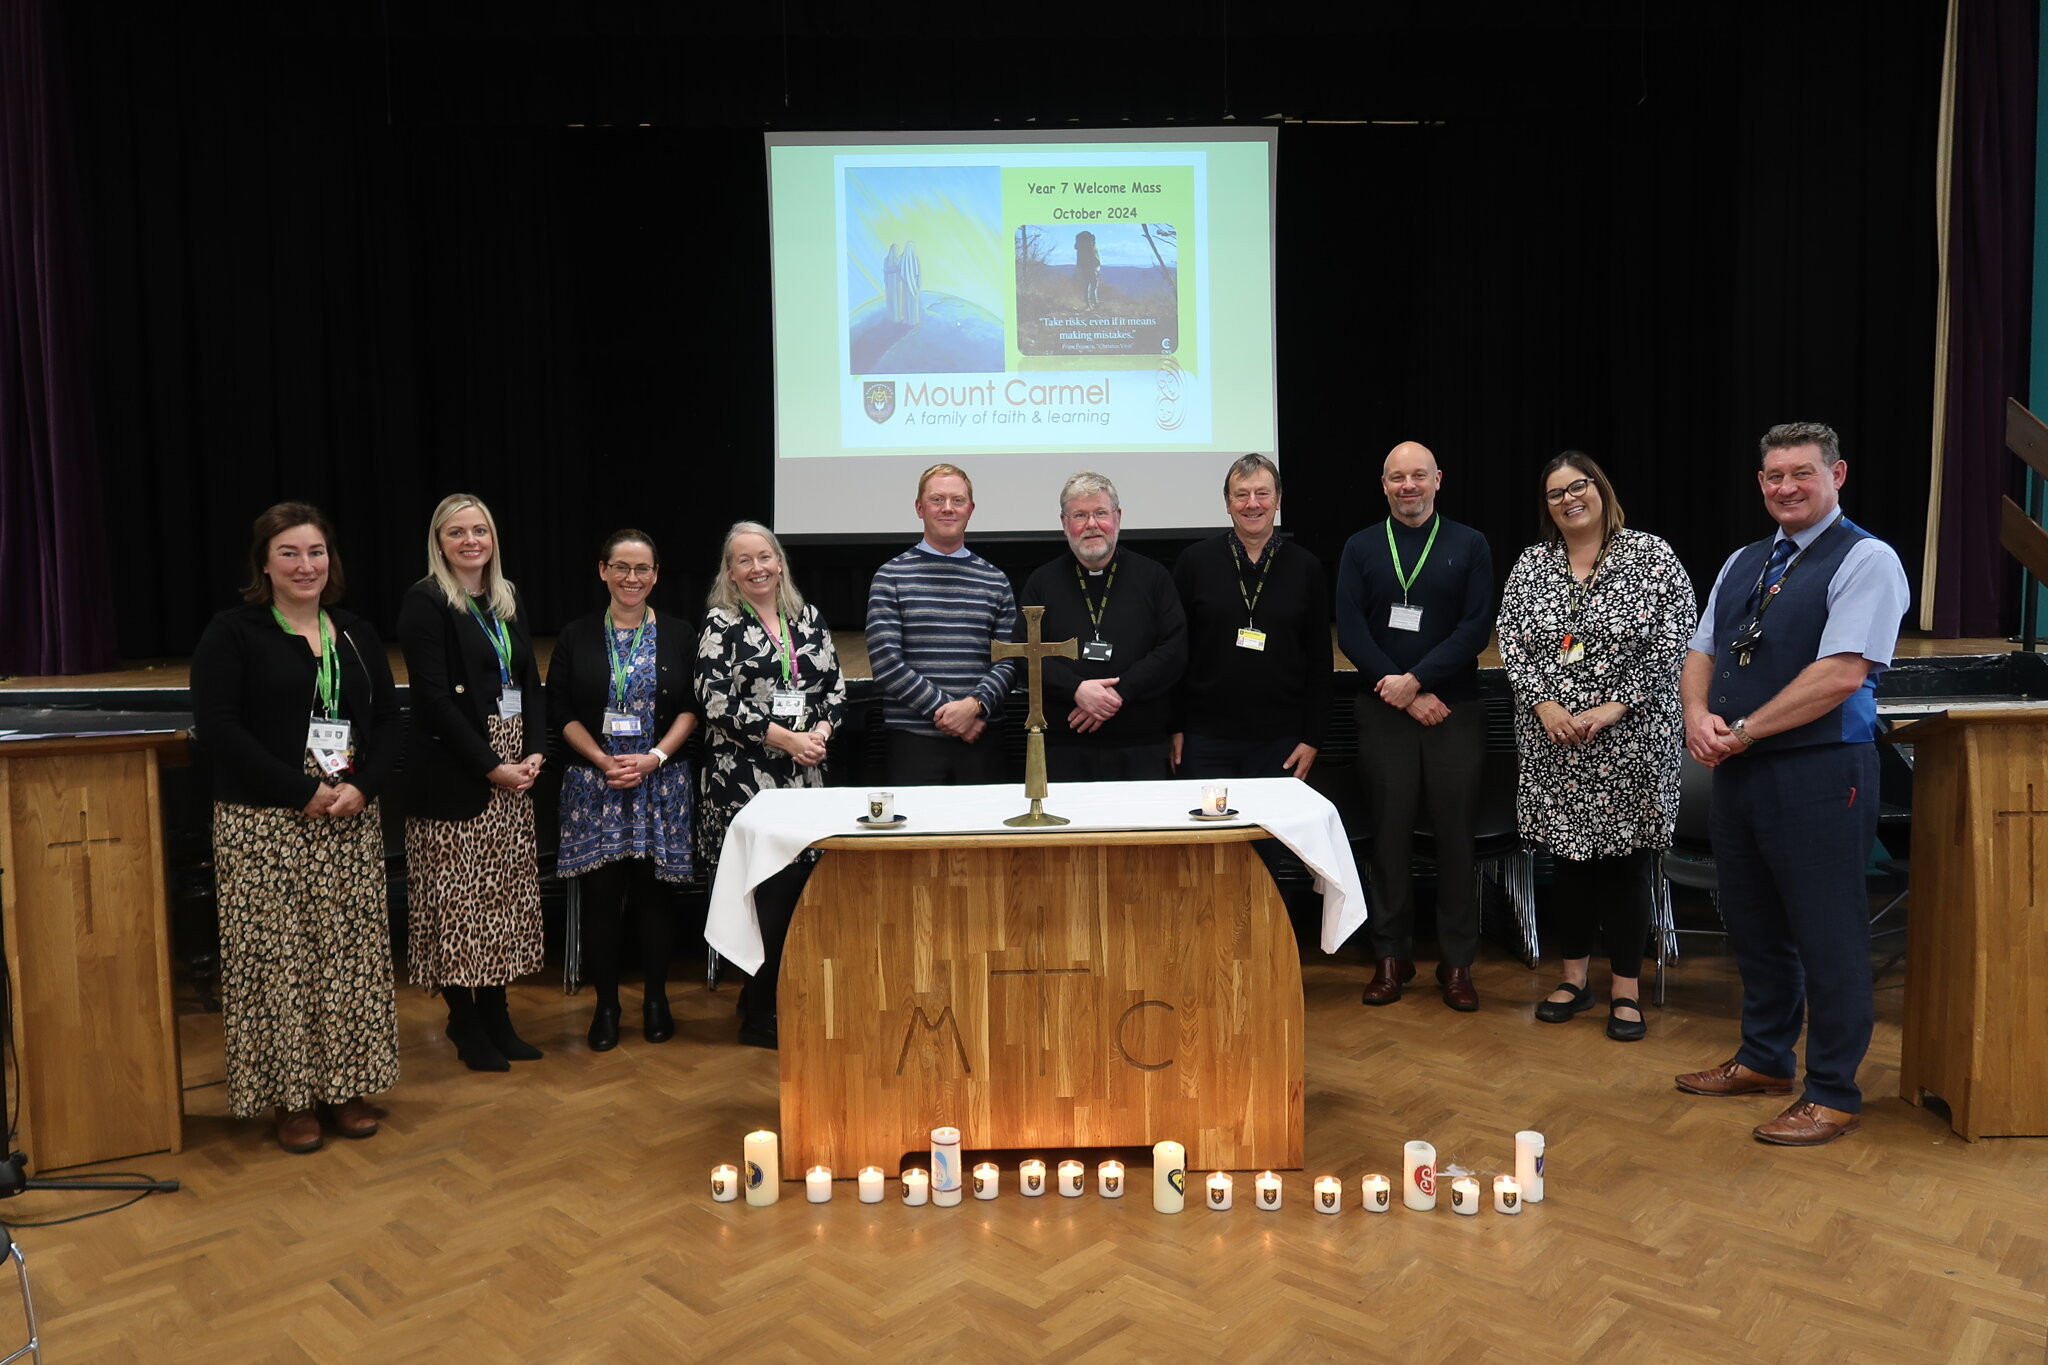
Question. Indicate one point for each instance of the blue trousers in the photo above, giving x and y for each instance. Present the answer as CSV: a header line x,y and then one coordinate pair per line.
x,y
1791,831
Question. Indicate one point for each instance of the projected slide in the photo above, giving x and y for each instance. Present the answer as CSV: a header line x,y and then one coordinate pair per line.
x,y
1028,302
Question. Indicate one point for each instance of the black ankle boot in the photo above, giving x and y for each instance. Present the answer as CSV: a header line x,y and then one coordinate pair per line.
x,y
493,1012
657,1023
604,1028
466,1031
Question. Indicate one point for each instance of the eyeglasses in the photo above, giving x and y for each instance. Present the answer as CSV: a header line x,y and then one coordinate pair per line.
x,y
1570,490
1083,518
617,570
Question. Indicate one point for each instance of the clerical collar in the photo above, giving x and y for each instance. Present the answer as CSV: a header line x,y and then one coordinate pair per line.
x,y
962,553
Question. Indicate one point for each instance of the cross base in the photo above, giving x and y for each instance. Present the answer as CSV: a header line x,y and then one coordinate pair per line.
x,y
1036,817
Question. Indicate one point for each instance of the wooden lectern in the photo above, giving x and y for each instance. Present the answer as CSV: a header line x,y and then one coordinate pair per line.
x,y
1976,1028
1049,991
88,947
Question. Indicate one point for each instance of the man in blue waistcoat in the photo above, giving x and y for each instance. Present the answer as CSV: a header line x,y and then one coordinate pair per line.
x,y
1780,701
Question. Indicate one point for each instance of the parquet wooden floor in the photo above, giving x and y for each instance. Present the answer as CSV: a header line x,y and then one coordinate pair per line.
x,y
561,1213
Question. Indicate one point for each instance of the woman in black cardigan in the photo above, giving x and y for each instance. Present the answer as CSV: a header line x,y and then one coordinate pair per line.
x,y
293,702
620,694
476,744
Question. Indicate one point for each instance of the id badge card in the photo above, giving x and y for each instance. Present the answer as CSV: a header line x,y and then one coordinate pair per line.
x,y
620,723
510,703
328,736
1571,651
332,762
1402,617
787,704
1247,638
1097,651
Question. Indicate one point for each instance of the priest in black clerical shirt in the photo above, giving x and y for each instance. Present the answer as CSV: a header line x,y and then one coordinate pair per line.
x,y
1255,701
1109,713
1414,609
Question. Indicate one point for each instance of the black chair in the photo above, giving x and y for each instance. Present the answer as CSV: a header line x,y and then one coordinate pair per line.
x,y
1497,849
1688,862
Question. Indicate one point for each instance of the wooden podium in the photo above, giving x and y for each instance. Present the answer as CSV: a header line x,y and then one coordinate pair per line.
x,y
1049,991
88,947
1976,1026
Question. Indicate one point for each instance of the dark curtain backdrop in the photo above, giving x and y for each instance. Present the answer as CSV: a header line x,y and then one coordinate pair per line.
x,y
55,612
1991,250
368,266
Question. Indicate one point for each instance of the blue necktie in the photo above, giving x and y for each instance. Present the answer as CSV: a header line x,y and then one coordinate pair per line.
x,y
1774,569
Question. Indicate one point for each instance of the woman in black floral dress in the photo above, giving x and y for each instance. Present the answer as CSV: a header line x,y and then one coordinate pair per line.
x,y
1593,629
768,679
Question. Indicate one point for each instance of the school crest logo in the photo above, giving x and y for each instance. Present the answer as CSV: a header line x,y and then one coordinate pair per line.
x,y
878,399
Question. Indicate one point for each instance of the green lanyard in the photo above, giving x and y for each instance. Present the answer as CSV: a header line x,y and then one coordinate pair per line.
x,y
786,659
1251,599
1095,613
623,668
501,642
1407,580
329,678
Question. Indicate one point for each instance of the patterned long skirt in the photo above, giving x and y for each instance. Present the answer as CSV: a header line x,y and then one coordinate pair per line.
x,y
306,988
474,887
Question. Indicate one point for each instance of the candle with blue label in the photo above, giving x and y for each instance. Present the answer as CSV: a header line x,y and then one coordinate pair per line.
x,y
946,1166
764,1167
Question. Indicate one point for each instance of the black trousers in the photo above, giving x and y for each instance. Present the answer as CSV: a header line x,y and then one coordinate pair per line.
x,y
1405,767
1208,758
774,906
942,761
1085,762
605,893
1608,896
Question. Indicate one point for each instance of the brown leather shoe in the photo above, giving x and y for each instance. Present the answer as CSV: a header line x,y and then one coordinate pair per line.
x,y
1386,983
1459,992
1807,1124
298,1131
1732,1078
354,1118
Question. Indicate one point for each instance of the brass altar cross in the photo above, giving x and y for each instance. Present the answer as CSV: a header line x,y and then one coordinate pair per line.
x,y
1034,652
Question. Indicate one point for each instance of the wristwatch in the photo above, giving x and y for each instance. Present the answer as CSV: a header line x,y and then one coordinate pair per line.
x,y
1740,729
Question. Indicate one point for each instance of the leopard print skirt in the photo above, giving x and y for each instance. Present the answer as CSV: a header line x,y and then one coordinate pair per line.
x,y
307,1004
474,887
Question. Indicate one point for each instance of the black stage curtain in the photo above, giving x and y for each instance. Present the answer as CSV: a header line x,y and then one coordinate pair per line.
x,y
365,259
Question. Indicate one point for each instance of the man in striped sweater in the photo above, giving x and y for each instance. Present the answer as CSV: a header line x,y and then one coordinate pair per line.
x,y
933,611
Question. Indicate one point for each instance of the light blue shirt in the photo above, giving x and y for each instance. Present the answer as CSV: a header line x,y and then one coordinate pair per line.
x,y
1867,598
962,553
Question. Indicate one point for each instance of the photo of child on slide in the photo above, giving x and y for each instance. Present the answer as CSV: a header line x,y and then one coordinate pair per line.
x,y
1110,289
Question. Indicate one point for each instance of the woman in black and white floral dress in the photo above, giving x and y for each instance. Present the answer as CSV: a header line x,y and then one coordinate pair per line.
x,y
768,679
1593,629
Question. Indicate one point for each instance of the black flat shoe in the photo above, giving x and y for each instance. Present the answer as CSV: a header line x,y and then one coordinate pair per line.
x,y
1625,1030
656,1022
604,1028
755,1032
1559,1011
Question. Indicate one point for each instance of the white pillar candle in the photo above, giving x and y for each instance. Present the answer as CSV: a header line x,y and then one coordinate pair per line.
x,y
725,1183
1109,1179
881,807
1220,1190
1329,1194
988,1180
917,1186
1073,1179
871,1181
1377,1193
764,1167
1268,1191
1465,1195
946,1182
1529,1165
1418,1176
1507,1194
1169,1177
1031,1178
818,1184
1215,798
